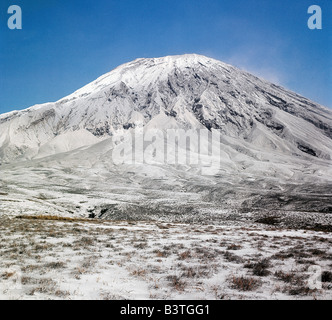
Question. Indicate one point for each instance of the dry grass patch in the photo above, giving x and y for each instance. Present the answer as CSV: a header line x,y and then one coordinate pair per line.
x,y
184,255
234,247
244,283
231,257
8,274
55,265
327,276
289,277
260,268
55,218
176,282
138,272
45,286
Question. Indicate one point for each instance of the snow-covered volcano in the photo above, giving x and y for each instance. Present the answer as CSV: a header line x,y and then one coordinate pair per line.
x,y
271,138
189,91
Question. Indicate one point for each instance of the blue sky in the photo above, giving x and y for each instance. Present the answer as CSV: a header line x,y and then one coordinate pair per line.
x,y
66,44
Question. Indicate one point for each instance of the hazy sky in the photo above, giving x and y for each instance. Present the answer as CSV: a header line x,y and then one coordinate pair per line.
x,y
66,44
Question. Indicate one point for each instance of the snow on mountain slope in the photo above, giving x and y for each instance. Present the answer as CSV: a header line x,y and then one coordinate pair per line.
x,y
193,91
275,146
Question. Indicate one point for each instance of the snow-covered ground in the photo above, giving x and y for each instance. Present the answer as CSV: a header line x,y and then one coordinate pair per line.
x,y
79,259
163,233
